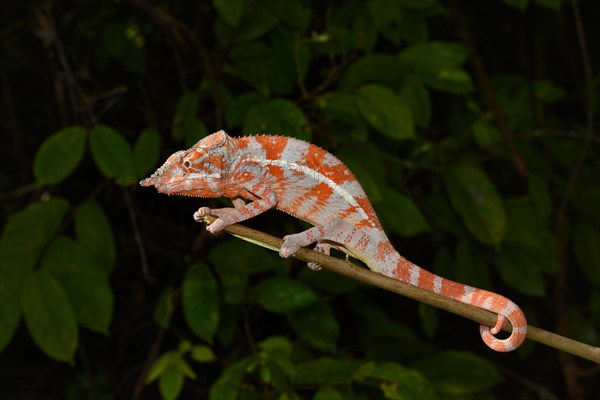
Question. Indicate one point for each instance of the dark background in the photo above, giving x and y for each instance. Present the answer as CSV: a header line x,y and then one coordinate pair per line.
x,y
130,64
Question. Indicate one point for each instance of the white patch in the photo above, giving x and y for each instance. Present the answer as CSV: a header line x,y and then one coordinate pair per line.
x,y
413,275
330,160
437,284
337,189
467,296
509,308
295,151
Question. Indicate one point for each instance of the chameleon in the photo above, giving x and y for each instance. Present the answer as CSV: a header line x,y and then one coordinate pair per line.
x,y
262,172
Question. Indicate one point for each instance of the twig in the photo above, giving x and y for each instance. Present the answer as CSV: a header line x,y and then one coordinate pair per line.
x,y
343,267
137,237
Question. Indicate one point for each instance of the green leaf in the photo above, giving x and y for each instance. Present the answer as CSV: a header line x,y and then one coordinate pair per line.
x,y
384,111
414,92
94,232
328,393
429,319
237,109
317,326
527,234
456,373
49,316
296,13
471,266
486,135
203,354
83,280
164,308
146,151
27,232
229,383
475,198
281,295
437,64
396,381
59,155
381,68
585,243
11,282
401,215
551,4
186,124
277,116
200,302
540,197
230,10
325,371
520,271
170,383
547,91
387,17
113,155
518,4
340,106
235,260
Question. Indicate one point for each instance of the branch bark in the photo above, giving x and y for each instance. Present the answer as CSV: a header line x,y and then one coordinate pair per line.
x,y
347,269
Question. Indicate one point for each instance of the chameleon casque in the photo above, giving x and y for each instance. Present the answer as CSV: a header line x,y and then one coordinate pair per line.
x,y
311,184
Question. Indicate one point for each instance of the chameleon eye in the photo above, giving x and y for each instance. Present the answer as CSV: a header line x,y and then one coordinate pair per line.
x,y
187,164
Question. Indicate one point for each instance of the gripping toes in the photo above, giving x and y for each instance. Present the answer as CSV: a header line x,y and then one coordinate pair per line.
x,y
289,246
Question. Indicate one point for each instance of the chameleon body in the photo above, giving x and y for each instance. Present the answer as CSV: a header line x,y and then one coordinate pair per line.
x,y
311,184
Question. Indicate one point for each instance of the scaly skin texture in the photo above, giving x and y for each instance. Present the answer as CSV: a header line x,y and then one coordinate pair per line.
x,y
311,184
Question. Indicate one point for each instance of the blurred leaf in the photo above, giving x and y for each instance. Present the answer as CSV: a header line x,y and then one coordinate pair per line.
x,y
384,69
200,302
186,124
474,197
471,268
227,386
317,326
396,381
59,155
551,4
281,295
297,13
387,16
437,64
94,232
540,197
238,108
456,373
385,112
235,260
113,155
547,91
11,282
146,151
328,393
170,383
518,4
230,10
49,317
585,242
528,235
429,319
164,308
401,215
340,106
277,117
520,271
84,282
28,231
486,135
325,371
416,95
203,354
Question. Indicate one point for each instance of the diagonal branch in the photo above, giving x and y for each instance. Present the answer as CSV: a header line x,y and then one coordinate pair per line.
x,y
343,267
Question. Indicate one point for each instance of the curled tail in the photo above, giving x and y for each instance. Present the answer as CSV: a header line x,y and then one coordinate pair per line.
x,y
505,308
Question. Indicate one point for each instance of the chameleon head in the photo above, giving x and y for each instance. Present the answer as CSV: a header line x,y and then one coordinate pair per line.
x,y
200,171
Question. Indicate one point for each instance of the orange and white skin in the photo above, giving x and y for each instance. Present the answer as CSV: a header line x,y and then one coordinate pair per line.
x,y
262,172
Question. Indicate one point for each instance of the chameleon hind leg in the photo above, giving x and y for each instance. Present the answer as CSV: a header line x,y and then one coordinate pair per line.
x,y
323,235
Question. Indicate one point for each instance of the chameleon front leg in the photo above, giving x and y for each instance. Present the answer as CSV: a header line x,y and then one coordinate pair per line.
x,y
242,211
